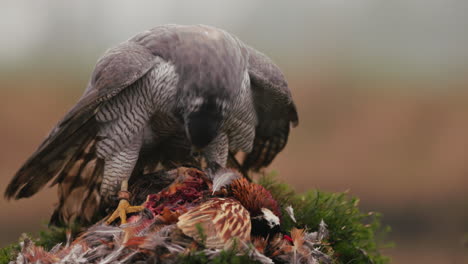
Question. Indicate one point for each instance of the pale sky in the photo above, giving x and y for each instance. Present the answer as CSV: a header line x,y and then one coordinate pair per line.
x,y
418,34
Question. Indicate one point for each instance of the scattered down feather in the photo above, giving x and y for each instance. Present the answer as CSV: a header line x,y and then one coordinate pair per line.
x,y
290,211
210,225
223,178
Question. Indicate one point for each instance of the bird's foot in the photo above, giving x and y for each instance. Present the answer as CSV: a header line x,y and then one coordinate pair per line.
x,y
123,209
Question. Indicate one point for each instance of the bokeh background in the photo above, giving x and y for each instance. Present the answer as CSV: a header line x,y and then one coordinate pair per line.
x,y
381,89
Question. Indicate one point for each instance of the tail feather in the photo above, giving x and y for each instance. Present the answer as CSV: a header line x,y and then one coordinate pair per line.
x,y
53,155
68,158
78,191
78,188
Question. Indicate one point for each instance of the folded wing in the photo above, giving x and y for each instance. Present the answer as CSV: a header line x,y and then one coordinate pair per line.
x,y
275,109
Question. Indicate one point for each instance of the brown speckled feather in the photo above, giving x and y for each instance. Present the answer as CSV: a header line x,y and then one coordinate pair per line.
x,y
221,219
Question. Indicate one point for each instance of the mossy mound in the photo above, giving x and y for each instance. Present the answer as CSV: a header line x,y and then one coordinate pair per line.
x,y
353,236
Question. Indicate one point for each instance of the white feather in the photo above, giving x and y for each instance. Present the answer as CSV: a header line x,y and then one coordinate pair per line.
x,y
290,211
323,231
256,255
270,217
223,178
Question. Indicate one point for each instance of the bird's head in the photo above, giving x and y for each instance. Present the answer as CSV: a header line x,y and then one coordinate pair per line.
x,y
264,210
202,122
267,223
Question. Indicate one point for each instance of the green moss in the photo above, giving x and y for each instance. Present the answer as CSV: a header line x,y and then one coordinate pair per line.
x,y
50,237
8,253
201,233
47,239
353,235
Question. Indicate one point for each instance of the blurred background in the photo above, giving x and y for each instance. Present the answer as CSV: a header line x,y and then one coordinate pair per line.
x,y
381,90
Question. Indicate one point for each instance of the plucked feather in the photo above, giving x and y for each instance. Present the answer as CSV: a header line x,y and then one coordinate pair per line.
x,y
224,177
290,211
255,255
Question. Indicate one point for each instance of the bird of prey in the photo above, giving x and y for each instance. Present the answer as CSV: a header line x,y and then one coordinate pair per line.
x,y
157,98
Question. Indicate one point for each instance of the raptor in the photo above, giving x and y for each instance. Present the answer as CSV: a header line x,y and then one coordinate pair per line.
x,y
157,99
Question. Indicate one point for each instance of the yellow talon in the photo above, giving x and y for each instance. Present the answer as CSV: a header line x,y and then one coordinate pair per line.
x,y
124,206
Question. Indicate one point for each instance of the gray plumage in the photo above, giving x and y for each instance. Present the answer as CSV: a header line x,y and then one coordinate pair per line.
x,y
152,100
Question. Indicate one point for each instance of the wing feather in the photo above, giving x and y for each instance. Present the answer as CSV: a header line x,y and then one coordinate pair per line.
x,y
117,69
275,109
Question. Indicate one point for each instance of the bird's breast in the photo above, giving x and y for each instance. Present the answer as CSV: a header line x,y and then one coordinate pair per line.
x,y
163,125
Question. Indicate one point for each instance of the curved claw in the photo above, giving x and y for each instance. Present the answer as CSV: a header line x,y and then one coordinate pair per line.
x,y
122,210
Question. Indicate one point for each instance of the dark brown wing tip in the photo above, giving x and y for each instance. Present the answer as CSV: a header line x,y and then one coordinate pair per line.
x,y
16,192
293,116
8,194
22,185
11,192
